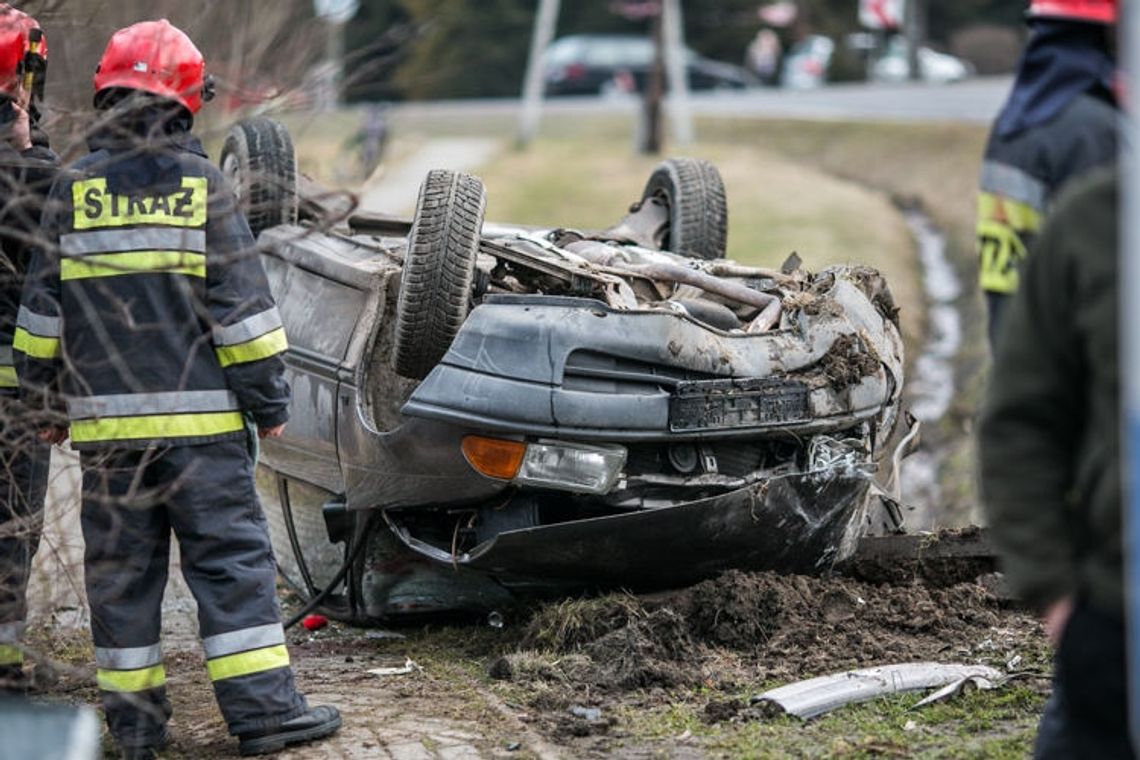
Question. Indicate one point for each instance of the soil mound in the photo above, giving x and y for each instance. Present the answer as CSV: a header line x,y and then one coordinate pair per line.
x,y
781,627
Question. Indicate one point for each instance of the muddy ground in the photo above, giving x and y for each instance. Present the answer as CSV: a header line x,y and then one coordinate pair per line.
x,y
665,675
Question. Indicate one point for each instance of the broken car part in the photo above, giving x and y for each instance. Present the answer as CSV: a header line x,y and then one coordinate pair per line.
x,y
816,696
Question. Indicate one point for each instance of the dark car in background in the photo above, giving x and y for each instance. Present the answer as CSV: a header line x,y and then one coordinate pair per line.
x,y
599,64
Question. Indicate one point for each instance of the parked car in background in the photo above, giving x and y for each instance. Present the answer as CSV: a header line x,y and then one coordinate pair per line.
x,y
806,64
892,65
592,64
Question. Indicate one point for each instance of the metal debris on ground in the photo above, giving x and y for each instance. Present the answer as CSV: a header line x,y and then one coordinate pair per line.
x,y
591,714
816,696
409,666
380,634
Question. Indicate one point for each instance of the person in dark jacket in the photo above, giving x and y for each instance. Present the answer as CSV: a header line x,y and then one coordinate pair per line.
x,y
1049,447
27,168
1061,119
151,304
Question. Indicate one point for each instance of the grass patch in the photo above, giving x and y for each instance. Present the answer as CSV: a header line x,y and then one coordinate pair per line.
x,y
997,725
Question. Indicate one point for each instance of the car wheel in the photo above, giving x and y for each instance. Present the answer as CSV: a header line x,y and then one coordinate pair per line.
x,y
439,267
260,164
693,191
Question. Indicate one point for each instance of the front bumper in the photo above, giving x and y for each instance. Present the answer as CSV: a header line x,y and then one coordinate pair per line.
x,y
801,523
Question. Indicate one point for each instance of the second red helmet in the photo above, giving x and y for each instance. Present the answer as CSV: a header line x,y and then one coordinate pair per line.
x,y
1094,11
155,57
18,31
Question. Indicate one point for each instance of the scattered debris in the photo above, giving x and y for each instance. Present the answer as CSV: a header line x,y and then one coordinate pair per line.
x,y
816,696
957,687
408,667
381,634
586,713
717,711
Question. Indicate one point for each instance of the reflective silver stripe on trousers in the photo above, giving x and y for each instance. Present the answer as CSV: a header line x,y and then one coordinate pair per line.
x,y
1014,183
133,658
37,324
243,640
141,404
137,239
12,632
6,357
248,329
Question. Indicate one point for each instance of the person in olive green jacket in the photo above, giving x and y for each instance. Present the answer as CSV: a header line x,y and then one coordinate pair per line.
x,y
1050,466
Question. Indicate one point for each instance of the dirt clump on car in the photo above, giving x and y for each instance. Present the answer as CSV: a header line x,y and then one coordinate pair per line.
x,y
848,361
875,287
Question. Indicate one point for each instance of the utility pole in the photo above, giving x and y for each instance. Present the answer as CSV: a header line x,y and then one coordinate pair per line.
x,y
543,33
335,14
650,142
914,29
673,34
1129,32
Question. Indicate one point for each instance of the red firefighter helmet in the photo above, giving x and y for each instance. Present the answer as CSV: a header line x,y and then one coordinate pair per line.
x,y
1095,11
155,57
17,30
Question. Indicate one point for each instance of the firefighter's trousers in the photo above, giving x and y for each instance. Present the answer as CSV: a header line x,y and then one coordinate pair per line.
x,y
23,483
132,500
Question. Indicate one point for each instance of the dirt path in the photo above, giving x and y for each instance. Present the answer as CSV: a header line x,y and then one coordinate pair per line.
x,y
393,189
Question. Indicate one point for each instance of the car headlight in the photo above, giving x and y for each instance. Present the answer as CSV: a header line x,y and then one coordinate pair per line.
x,y
575,467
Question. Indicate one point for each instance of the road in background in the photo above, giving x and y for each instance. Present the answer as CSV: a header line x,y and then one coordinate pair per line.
x,y
975,101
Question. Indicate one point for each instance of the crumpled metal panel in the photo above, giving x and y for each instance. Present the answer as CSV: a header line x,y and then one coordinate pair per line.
x,y
795,523
816,696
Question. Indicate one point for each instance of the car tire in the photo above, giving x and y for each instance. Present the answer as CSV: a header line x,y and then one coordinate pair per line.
x,y
693,191
439,268
260,164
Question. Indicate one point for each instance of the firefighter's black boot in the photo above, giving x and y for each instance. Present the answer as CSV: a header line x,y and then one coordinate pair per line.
x,y
144,751
317,723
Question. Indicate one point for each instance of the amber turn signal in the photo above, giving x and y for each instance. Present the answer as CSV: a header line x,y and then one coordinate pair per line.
x,y
494,457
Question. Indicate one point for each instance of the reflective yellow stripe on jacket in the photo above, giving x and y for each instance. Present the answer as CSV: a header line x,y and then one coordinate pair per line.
x,y
37,335
1005,229
144,416
253,338
7,368
134,262
1010,205
95,207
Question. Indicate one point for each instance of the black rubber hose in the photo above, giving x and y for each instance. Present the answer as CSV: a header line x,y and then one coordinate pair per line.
x,y
353,554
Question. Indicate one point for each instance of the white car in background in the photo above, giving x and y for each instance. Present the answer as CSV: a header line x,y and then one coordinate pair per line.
x,y
933,67
806,63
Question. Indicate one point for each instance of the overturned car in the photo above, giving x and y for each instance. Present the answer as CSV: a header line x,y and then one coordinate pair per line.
x,y
483,413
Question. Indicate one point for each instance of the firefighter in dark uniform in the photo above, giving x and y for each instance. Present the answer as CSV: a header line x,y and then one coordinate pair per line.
x,y
149,300
27,168
1061,119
